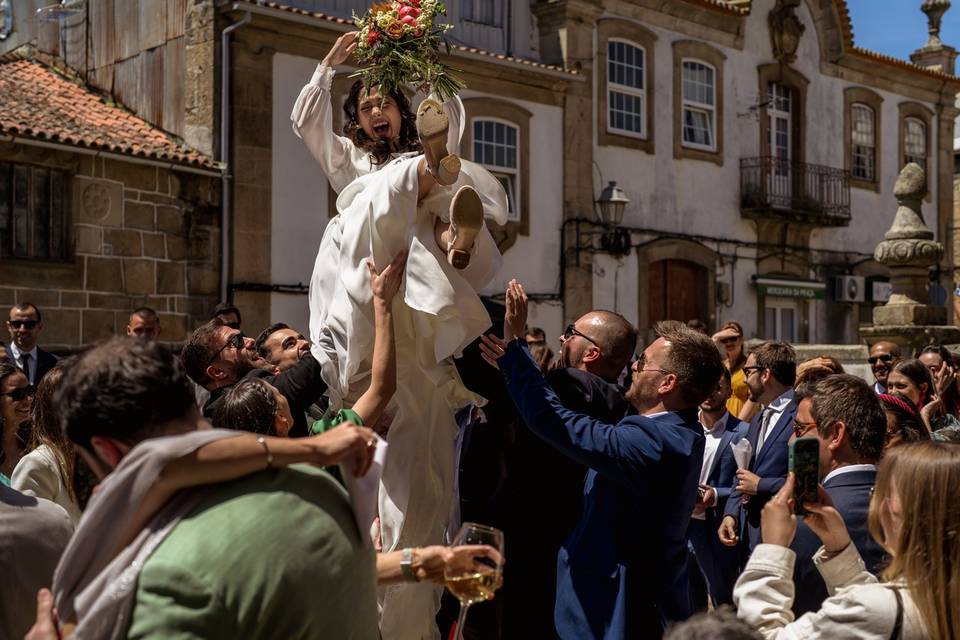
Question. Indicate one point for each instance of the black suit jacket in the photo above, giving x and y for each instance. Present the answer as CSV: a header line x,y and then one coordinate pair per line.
x,y
850,493
301,384
45,362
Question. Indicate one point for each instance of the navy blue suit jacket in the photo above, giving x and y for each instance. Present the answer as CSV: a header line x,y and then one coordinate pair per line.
x,y
724,469
850,493
622,571
771,465
45,362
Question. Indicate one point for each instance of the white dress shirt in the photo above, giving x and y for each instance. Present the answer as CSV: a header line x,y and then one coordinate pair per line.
x,y
711,449
771,415
848,469
31,371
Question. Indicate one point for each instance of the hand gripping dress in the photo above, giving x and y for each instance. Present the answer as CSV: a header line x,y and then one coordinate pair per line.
x,y
438,315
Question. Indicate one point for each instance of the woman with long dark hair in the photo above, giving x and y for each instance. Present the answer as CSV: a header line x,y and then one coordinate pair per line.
x,y
16,403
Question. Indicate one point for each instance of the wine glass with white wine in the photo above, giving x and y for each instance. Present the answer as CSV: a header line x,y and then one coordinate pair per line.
x,y
474,577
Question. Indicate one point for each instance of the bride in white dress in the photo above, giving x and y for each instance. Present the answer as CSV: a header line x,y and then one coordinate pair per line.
x,y
392,197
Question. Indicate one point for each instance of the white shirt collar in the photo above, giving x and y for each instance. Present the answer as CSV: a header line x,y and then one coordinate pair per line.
x,y
17,352
782,400
719,426
850,468
655,415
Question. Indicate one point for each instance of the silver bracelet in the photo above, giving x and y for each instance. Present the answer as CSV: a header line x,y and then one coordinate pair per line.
x,y
263,443
406,566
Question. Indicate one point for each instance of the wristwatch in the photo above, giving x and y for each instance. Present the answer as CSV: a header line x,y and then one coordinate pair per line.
x,y
406,566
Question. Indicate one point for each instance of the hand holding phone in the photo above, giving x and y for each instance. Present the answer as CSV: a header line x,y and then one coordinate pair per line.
x,y
805,465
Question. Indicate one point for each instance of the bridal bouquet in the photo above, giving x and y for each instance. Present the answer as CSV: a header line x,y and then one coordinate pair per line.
x,y
399,43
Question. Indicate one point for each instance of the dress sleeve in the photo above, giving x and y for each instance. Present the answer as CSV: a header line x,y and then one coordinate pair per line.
x,y
35,475
860,609
312,120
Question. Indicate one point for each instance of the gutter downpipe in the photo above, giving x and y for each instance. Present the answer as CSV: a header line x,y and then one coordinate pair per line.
x,y
225,200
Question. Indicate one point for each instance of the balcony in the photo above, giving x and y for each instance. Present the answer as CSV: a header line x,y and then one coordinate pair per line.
x,y
771,188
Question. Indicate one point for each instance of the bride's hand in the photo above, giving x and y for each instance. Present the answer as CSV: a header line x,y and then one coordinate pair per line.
x,y
341,49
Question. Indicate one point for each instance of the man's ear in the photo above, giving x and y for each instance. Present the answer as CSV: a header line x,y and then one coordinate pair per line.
x,y
669,384
592,355
839,436
215,373
108,451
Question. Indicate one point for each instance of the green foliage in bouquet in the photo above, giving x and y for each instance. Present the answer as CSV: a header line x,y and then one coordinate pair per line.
x,y
399,44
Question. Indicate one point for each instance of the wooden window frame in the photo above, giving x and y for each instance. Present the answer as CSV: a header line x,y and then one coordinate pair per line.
x,y
701,53
866,97
65,254
642,38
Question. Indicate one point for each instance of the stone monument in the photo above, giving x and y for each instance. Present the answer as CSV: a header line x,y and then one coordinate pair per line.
x,y
909,251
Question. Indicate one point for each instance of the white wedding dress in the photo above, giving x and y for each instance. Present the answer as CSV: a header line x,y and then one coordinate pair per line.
x,y
439,314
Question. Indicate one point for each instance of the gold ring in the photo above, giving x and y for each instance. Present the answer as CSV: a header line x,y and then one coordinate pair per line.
x,y
372,442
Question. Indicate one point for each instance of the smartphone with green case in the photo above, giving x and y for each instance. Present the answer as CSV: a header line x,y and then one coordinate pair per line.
x,y
805,465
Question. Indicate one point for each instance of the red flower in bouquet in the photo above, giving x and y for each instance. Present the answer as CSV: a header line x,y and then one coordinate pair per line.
x,y
372,37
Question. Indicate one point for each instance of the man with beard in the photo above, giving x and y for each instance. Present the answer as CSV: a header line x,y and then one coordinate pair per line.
x,y
622,571
593,352
282,346
883,355
770,372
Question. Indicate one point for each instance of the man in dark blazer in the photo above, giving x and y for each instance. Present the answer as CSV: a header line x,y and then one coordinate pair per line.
x,y
622,571
844,414
717,563
25,324
770,371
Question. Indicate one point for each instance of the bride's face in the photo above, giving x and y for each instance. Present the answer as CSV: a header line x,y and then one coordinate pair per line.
x,y
380,120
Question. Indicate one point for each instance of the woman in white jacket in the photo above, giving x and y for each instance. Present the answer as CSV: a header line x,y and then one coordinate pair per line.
x,y
914,514
392,199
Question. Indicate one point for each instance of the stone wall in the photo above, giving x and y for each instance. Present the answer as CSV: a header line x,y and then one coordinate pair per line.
x,y
142,236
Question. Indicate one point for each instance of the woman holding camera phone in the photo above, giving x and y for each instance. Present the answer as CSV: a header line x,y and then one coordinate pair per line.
x,y
913,514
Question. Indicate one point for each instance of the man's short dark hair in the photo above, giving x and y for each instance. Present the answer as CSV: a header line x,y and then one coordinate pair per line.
x,y
844,398
146,313
124,389
200,349
248,405
266,333
225,308
693,358
27,306
779,358
722,624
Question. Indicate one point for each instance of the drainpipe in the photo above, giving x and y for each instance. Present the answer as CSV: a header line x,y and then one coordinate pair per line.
x,y
225,202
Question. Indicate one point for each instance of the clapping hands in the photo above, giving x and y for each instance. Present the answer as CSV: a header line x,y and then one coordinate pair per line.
x,y
514,324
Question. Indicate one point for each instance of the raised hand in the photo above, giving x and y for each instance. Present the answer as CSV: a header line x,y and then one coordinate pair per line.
x,y
515,318
491,348
386,283
344,442
341,49
825,521
778,524
944,379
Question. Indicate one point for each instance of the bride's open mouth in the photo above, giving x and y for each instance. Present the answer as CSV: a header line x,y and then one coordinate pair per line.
x,y
382,129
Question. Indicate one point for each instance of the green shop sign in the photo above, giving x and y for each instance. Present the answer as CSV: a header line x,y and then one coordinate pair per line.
x,y
773,287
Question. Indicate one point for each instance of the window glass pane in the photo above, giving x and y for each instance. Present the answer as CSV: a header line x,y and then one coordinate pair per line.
x,y
509,185
624,65
626,111
697,83
40,213
915,142
6,201
697,127
496,144
58,216
21,200
862,142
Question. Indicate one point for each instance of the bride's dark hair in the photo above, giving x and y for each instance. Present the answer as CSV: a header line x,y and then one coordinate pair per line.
x,y
380,150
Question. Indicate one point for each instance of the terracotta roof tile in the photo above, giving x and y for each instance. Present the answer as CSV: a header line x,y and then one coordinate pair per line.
x,y
457,47
40,102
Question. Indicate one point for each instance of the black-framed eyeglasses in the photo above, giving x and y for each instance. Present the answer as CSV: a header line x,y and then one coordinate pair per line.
x,y
747,371
571,331
19,394
237,341
883,357
27,324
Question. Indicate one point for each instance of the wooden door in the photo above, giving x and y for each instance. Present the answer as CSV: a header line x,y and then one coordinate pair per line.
x,y
678,291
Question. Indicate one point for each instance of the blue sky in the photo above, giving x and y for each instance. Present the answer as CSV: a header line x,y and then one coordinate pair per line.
x,y
898,27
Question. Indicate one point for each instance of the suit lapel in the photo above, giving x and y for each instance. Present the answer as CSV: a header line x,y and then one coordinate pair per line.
x,y
782,423
725,439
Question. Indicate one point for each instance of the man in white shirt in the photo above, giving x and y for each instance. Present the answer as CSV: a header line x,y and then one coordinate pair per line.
x,y
717,563
25,324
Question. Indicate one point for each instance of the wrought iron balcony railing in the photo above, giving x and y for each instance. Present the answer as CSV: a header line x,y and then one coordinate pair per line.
x,y
772,188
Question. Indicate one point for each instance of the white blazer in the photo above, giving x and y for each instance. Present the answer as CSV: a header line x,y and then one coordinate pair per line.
x,y
38,475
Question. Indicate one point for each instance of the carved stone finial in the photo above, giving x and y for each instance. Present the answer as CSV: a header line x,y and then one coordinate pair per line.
x,y
785,30
934,10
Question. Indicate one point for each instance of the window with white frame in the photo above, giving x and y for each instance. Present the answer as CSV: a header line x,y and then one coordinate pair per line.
x,y
496,147
626,93
699,105
915,142
863,142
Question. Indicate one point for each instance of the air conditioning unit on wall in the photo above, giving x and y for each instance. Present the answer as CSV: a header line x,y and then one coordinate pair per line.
x,y
849,288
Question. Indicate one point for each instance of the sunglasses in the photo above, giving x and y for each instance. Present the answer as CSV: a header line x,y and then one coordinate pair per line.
x,y
28,324
23,392
237,341
571,331
886,357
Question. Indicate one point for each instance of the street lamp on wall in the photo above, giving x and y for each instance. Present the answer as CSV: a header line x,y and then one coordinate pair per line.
x,y
610,207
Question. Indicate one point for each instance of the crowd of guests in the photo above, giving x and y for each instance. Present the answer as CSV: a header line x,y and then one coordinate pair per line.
x,y
635,485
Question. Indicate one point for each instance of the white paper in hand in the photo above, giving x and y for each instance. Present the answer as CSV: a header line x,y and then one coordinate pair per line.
x,y
742,450
364,491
